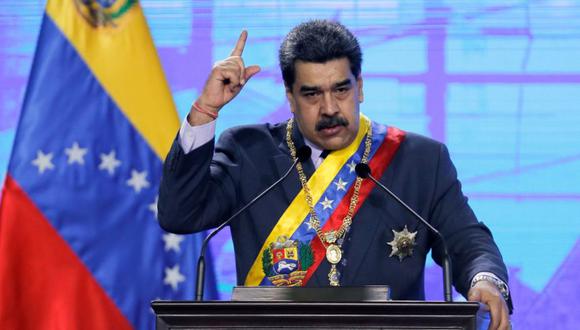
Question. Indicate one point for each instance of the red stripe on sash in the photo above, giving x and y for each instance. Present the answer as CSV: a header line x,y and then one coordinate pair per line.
x,y
378,165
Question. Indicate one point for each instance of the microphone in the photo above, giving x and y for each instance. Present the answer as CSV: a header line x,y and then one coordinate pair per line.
x,y
364,171
301,155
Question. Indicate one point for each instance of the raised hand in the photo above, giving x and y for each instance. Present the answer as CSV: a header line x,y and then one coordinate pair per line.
x,y
224,83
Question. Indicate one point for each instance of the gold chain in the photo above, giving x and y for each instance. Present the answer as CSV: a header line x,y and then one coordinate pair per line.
x,y
328,239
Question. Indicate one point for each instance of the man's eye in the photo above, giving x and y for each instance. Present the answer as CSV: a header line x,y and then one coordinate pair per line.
x,y
342,90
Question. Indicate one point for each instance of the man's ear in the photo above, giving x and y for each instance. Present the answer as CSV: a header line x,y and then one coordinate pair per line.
x,y
290,98
359,85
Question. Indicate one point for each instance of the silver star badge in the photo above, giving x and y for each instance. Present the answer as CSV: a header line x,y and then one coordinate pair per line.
x,y
403,243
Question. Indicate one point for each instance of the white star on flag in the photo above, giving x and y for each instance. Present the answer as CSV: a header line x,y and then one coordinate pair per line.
x,y
351,166
309,225
340,185
43,161
153,206
172,242
109,162
326,203
138,180
173,277
75,154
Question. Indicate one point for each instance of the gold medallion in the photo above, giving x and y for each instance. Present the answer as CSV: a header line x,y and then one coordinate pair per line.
x,y
402,244
333,254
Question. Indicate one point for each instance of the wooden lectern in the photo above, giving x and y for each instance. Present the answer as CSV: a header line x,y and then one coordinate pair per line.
x,y
314,308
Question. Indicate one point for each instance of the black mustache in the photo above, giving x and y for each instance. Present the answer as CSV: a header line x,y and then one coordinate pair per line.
x,y
327,122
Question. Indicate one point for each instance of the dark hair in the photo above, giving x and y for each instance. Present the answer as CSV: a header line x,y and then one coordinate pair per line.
x,y
318,41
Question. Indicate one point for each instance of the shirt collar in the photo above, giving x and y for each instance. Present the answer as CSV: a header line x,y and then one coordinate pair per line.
x,y
315,151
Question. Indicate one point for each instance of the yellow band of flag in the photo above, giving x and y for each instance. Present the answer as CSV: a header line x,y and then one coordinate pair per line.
x,y
124,60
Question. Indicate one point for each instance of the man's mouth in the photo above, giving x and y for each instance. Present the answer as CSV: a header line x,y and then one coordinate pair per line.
x,y
331,130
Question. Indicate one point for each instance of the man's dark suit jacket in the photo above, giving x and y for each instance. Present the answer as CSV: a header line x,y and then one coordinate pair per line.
x,y
204,187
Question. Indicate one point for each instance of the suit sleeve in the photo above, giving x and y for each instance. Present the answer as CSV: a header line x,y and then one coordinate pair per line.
x,y
198,189
470,242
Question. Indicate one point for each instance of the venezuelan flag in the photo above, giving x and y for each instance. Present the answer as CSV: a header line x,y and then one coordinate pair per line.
x,y
80,247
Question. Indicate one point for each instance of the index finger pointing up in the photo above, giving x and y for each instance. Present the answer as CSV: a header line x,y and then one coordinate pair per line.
x,y
239,49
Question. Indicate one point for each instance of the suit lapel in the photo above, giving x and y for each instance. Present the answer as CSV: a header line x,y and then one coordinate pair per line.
x,y
283,161
291,185
367,231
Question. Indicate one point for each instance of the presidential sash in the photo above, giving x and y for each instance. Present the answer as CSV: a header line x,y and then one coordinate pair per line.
x,y
292,251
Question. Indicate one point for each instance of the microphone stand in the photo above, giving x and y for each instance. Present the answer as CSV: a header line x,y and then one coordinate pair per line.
x,y
364,171
302,154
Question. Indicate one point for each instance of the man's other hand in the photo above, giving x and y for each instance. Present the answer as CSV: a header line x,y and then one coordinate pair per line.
x,y
488,294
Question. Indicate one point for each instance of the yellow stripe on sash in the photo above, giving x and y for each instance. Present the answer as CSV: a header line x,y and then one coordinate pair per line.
x,y
125,62
298,209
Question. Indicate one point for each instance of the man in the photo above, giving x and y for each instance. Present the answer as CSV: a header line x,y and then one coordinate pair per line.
x,y
324,226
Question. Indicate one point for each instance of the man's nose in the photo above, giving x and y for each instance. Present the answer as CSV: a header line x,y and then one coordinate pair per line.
x,y
328,106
